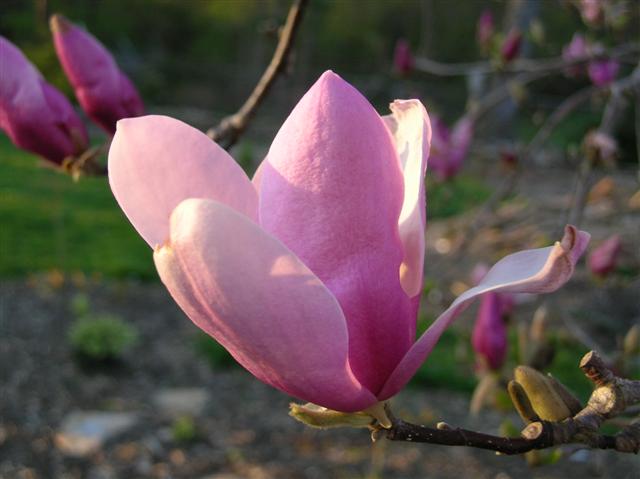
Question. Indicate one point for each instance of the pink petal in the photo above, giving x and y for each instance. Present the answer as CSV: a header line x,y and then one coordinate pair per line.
x,y
254,296
489,338
532,271
331,189
155,162
410,126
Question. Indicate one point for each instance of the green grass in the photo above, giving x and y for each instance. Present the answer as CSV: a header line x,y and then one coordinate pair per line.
x,y
50,222
451,198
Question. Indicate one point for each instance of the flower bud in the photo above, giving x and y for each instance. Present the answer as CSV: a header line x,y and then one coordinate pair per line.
x,y
511,46
485,30
36,116
600,146
603,72
576,49
546,402
489,338
402,57
603,259
104,92
631,343
592,11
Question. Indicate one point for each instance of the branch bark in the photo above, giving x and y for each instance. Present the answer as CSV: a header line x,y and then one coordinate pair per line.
x,y
227,132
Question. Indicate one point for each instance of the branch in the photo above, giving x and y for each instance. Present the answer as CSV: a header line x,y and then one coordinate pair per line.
x,y
611,397
231,127
542,65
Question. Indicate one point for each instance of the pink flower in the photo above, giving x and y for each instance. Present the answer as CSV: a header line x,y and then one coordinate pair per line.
x,y
402,57
576,49
603,259
311,273
104,92
36,116
485,30
602,72
511,46
489,338
450,148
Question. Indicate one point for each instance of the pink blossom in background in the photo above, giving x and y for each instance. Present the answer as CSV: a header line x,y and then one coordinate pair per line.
x,y
489,337
592,11
311,273
511,46
36,116
104,92
602,72
485,30
576,49
450,147
604,258
402,57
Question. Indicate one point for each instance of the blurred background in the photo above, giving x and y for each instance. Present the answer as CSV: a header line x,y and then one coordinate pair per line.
x,y
102,376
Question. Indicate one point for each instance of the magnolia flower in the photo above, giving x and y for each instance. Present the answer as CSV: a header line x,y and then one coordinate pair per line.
x,y
604,71
603,259
450,148
104,92
310,274
576,49
402,57
511,45
485,29
37,117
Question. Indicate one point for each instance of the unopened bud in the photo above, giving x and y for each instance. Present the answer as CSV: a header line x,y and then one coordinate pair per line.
x,y
511,46
538,329
103,91
604,258
546,402
631,343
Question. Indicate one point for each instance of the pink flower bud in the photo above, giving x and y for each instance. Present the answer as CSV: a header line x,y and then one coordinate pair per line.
x,y
576,49
592,11
36,116
603,259
489,338
603,72
450,148
485,30
402,57
103,91
511,46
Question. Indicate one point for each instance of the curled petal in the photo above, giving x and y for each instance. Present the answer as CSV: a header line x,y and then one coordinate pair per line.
x,y
532,271
103,91
331,189
409,124
155,162
254,296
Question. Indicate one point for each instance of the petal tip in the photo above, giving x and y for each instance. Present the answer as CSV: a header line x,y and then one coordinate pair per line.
x,y
59,24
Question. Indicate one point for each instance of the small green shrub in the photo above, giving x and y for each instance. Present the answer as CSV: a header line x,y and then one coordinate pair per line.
x,y
101,337
184,429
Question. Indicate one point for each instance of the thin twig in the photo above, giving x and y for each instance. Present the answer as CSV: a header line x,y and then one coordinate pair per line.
x,y
231,127
542,65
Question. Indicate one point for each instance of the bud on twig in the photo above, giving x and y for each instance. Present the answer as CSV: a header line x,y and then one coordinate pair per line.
x,y
546,402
